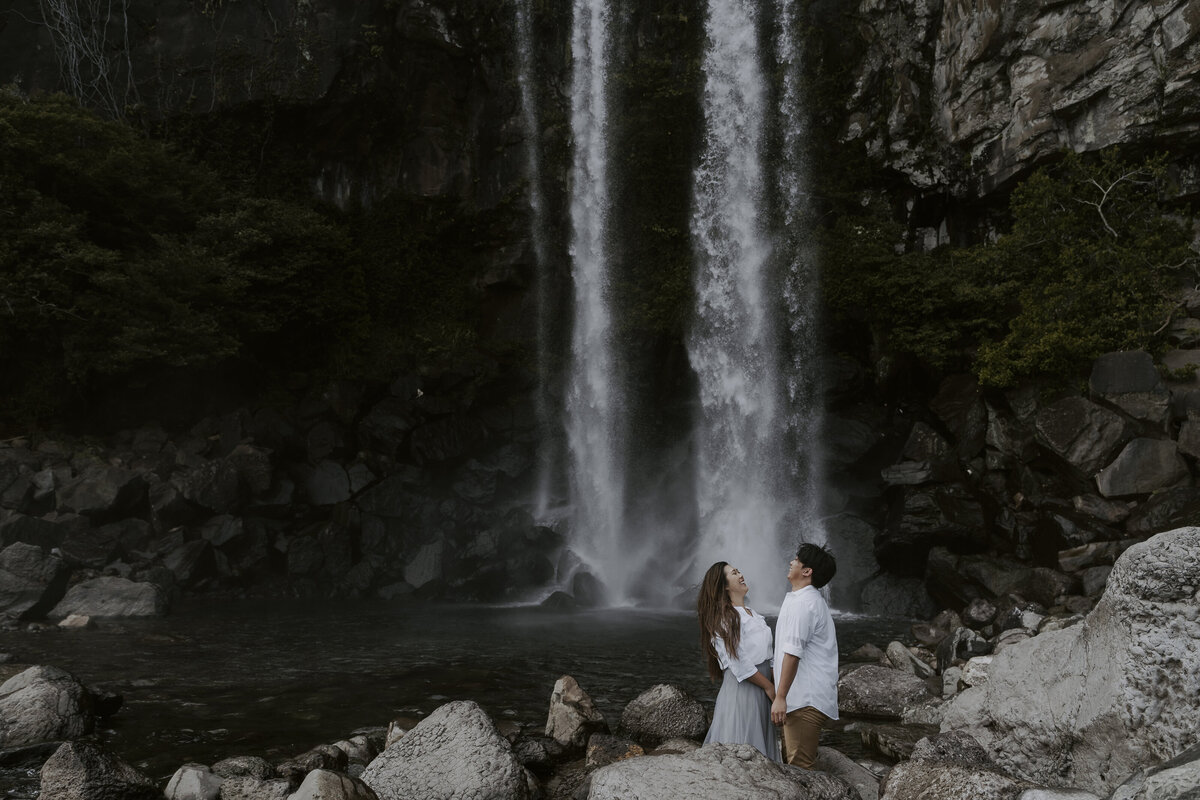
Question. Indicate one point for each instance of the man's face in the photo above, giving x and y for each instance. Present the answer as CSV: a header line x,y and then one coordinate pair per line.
x,y
797,571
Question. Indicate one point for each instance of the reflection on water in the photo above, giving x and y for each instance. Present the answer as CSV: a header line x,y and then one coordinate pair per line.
x,y
275,679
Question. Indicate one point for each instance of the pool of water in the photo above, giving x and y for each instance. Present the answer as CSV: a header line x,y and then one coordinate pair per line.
x,y
273,679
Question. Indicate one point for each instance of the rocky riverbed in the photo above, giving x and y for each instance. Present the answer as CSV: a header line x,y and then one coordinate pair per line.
x,y
994,703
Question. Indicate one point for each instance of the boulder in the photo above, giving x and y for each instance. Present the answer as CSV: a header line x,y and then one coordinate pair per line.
x,y
1082,433
326,484
901,658
323,784
890,740
889,595
244,767
853,544
1176,779
245,788
539,754
1088,705
978,613
1109,512
835,763
111,597
194,782
1144,466
453,753
881,692
44,704
603,750
959,405
960,645
31,581
715,770
1164,511
1131,382
573,716
47,531
102,490
663,712
944,768
85,771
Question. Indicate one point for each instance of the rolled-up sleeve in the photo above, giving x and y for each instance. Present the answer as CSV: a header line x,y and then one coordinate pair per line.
x,y
740,666
793,632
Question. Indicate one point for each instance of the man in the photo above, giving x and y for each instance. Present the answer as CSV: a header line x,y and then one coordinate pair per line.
x,y
806,657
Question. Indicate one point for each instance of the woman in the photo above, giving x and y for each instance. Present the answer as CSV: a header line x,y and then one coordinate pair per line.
x,y
737,644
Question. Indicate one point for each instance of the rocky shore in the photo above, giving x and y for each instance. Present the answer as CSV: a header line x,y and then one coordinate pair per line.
x,y
994,702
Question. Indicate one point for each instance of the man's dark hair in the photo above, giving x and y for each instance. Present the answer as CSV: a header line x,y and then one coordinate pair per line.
x,y
822,562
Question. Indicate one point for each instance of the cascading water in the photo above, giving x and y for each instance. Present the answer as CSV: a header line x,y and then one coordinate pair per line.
x,y
594,416
751,509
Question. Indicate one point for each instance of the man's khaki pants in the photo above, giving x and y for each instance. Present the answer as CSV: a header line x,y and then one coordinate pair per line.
x,y
801,733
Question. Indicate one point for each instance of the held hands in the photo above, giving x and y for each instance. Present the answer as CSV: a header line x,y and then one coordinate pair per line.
x,y
770,690
778,709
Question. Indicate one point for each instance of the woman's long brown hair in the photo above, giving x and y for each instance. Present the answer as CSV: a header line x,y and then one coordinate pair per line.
x,y
717,617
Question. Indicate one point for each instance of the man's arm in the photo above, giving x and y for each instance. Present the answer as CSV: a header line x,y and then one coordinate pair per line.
x,y
783,682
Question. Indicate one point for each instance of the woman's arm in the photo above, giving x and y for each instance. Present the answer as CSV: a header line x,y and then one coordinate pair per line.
x,y
760,680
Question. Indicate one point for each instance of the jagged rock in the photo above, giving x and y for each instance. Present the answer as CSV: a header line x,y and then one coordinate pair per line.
x,y
1093,580
1189,438
1088,555
455,752
1088,705
848,440
47,531
447,438
853,544
978,613
960,645
246,788
1176,779
573,716
889,595
835,763
1144,466
1009,436
194,782
663,712
44,704
1082,433
538,754
892,741
950,679
358,749
901,658
1010,637
714,770
1110,512
1047,586
85,771
1164,511
959,404
976,670
949,769
214,486
102,490
928,635
244,767
925,444
111,597
30,581
327,484
1130,381
323,784
882,692
191,562
676,747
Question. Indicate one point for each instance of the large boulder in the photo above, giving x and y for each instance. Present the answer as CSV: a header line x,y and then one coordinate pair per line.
x,y
323,784
880,692
44,704
1177,779
1144,466
102,490
194,782
663,712
1131,382
30,580
1088,705
573,716
950,767
1082,433
111,597
453,754
715,770
85,771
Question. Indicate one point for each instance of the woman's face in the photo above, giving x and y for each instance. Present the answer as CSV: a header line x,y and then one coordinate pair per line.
x,y
735,584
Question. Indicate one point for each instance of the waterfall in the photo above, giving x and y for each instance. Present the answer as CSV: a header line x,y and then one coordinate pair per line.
x,y
527,84
594,403
751,508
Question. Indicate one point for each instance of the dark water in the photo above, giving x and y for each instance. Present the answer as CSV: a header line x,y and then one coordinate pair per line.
x,y
273,680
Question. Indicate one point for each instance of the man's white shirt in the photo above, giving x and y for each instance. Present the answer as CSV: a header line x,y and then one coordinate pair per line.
x,y
805,630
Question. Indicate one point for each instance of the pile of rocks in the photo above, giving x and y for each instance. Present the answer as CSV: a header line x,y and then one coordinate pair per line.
x,y
353,491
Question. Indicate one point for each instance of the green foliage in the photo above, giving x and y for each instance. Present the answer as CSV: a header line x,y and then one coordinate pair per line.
x,y
1087,268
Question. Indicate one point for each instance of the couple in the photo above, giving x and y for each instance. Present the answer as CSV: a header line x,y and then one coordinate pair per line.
x,y
802,695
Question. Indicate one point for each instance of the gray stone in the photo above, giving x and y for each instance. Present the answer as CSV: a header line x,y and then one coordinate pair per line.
x,y
1110,512
979,612
960,645
30,580
879,692
950,678
889,595
848,440
194,782
1093,580
247,788
573,716
44,704
102,489
715,770
901,658
1164,511
1189,438
1175,779
603,749
453,754
1082,433
1088,705
1144,466
244,767
959,404
835,763
853,545
907,473
85,771
663,712
1130,381
323,784
922,780
892,741
426,565
112,597
327,484
1010,637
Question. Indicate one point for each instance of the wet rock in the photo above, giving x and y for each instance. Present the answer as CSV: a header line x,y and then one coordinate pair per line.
x,y
1093,580
573,716
902,659
894,742
1164,511
102,491
194,782
714,771
47,531
663,712
454,752
31,581
358,749
111,597
1143,466
85,771
76,622
944,768
1110,512
959,405
978,613
881,692
929,635
835,763
539,754
191,562
44,704
603,749
1088,705
960,645
447,438
1048,586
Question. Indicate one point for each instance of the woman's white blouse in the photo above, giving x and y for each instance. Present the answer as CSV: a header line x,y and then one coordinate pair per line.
x,y
754,646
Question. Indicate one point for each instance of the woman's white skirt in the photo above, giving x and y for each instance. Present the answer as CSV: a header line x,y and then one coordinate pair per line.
x,y
743,715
